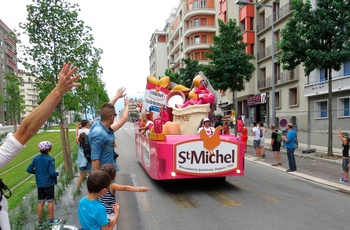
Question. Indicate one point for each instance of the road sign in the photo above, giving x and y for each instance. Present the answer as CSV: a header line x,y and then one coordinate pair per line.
x,y
283,122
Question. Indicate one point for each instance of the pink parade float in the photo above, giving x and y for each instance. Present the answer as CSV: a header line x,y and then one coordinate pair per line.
x,y
174,150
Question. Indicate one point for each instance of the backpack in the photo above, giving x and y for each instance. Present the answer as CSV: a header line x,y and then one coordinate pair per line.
x,y
261,133
84,143
279,135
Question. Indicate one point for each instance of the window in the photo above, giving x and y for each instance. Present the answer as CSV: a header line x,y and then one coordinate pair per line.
x,y
197,56
263,79
343,107
195,5
346,68
203,4
320,110
196,22
293,96
277,100
204,38
196,39
323,75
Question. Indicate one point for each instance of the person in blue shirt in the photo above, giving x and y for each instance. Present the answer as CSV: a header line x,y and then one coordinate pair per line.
x,y
101,136
91,212
290,140
43,166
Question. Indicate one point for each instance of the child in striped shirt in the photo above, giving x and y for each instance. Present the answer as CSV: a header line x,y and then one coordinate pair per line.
x,y
108,200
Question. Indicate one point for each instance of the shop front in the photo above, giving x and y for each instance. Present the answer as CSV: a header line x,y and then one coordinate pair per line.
x,y
257,108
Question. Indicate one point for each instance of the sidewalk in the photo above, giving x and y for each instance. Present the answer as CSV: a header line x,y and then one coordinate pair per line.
x,y
310,166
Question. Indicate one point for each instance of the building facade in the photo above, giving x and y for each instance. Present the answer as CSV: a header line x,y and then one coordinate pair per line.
x,y
299,99
28,92
8,62
189,31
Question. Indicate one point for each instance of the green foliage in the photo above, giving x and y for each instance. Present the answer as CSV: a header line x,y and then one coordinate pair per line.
x,y
57,36
316,37
229,65
187,74
14,101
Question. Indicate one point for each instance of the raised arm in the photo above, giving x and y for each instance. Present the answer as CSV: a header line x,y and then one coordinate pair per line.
x,y
33,122
120,93
117,125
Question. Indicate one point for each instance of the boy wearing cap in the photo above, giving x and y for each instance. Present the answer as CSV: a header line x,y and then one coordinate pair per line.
x,y
43,166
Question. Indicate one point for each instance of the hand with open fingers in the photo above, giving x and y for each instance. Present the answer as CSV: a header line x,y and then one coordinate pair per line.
x,y
120,93
67,79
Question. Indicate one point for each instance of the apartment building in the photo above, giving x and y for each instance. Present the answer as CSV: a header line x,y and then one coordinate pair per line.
x,y
189,32
158,48
28,92
8,61
299,99
256,23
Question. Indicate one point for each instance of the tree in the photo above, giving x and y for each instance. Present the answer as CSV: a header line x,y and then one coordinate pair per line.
x,y
185,74
190,70
57,36
14,99
317,38
229,65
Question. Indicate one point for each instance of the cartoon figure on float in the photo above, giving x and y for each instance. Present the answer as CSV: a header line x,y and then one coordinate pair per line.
x,y
203,93
165,152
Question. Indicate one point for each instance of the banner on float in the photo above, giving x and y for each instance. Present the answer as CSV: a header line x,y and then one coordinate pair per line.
x,y
155,96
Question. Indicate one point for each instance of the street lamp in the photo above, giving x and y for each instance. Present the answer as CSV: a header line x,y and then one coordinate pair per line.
x,y
273,101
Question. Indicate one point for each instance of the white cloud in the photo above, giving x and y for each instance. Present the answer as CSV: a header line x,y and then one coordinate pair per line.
x,y
122,29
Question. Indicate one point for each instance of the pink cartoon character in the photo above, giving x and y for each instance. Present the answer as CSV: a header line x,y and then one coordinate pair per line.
x,y
204,95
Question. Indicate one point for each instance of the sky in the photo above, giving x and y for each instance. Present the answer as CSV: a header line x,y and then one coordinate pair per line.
x,y
122,29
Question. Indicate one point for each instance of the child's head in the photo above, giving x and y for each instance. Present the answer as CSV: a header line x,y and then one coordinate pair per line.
x,y
45,146
110,169
98,180
81,138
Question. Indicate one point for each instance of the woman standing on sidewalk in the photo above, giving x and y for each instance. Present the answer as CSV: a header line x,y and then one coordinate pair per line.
x,y
345,162
262,139
275,146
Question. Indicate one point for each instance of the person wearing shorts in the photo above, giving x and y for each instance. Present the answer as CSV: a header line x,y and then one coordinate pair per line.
x,y
345,142
83,164
256,141
43,167
262,139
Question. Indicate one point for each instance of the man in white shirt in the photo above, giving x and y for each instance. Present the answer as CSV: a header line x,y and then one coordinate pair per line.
x,y
256,141
208,129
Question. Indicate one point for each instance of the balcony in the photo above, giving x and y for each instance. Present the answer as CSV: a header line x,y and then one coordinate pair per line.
x,y
11,63
199,11
175,47
195,46
282,12
9,40
200,28
265,53
339,84
10,52
281,78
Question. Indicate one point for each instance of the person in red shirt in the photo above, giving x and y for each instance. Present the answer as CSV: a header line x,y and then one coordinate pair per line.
x,y
226,128
244,136
164,116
